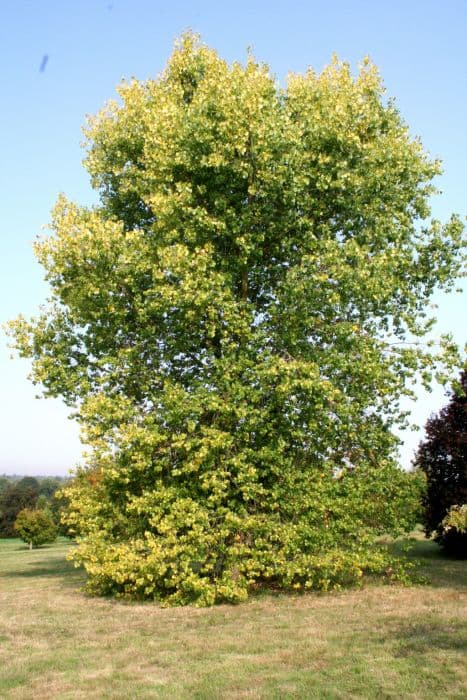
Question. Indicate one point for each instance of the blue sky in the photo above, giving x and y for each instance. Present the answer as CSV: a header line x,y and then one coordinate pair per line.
x,y
419,46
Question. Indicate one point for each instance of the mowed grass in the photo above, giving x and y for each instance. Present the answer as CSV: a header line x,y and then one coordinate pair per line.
x,y
378,642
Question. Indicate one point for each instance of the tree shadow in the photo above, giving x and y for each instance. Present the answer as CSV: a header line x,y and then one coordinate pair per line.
x,y
431,563
421,637
45,567
55,567
25,548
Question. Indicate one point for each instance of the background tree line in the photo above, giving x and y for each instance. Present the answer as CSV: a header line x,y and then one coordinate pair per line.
x,y
33,493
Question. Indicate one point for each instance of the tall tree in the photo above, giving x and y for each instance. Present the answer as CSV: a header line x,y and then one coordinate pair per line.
x,y
232,323
442,456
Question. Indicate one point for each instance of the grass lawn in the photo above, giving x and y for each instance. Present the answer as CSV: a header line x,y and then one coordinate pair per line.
x,y
379,642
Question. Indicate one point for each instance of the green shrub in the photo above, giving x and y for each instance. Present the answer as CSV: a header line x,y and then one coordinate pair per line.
x,y
35,527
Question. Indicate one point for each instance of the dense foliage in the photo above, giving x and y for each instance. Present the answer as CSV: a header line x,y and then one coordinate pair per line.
x,y
443,458
35,527
13,498
456,518
233,325
17,493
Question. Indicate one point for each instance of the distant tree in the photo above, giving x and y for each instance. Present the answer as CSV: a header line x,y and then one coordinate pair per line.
x,y
443,458
14,498
4,483
29,482
48,485
35,527
43,503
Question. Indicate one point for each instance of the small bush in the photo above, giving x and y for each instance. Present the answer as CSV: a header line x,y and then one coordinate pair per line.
x,y
35,527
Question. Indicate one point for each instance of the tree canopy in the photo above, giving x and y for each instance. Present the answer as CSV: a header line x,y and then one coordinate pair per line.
x,y
233,325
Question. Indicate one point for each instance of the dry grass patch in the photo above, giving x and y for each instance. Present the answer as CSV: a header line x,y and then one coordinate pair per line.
x,y
380,642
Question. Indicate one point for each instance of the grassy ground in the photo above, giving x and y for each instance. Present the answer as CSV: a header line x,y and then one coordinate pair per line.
x,y
380,642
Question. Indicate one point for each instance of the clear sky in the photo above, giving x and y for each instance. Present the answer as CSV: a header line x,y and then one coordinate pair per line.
x,y
61,60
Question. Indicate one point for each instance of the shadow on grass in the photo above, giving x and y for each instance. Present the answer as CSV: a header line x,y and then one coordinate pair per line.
x,y
45,567
25,548
440,570
423,637
43,562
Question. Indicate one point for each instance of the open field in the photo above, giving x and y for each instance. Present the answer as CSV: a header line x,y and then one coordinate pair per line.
x,y
380,642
